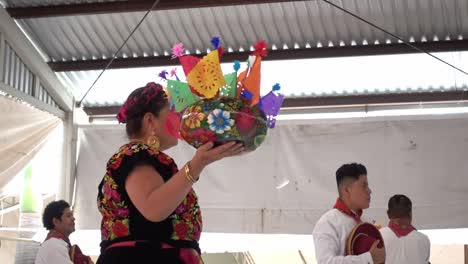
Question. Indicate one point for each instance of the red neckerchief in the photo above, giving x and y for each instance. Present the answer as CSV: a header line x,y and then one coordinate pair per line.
x,y
58,235
400,230
76,256
341,206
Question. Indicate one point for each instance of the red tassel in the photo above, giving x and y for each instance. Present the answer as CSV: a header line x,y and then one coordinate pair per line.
x,y
220,52
260,49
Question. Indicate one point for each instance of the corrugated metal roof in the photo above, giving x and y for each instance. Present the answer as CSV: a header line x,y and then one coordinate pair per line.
x,y
29,3
283,25
312,77
291,24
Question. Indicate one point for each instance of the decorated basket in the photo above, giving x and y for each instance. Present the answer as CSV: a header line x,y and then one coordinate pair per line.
x,y
217,107
221,120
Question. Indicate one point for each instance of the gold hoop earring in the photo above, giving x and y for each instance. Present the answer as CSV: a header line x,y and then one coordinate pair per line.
x,y
153,143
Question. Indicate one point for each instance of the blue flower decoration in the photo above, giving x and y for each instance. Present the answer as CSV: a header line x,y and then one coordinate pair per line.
x,y
220,121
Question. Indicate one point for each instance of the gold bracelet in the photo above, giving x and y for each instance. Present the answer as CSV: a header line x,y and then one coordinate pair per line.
x,y
188,175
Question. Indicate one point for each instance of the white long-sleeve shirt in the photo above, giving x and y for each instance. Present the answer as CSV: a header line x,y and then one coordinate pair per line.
x,y
330,234
413,248
53,251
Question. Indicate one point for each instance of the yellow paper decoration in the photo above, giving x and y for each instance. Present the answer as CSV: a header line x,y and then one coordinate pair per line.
x,y
206,78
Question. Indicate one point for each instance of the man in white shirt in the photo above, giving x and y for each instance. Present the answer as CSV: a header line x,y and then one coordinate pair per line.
x,y
56,249
333,228
403,243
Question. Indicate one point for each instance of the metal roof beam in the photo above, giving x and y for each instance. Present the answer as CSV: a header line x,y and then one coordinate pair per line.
x,y
124,6
289,54
339,101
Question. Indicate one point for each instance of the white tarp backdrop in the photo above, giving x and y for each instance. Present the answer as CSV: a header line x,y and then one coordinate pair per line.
x,y
424,158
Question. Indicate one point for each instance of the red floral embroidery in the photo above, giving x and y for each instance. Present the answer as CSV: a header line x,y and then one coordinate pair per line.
x,y
115,164
122,212
181,229
107,190
116,196
164,159
119,229
186,220
191,199
187,215
104,232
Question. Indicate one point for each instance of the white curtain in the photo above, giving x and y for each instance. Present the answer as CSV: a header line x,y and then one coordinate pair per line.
x,y
23,131
425,159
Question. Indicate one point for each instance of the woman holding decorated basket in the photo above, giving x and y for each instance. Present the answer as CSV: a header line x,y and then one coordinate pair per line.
x,y
150,213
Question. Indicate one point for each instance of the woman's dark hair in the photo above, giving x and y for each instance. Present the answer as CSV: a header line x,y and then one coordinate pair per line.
x,y
148,99
53,210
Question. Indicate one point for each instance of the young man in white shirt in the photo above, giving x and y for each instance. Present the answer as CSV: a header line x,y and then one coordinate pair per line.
x,y
56,249
403,243
334,227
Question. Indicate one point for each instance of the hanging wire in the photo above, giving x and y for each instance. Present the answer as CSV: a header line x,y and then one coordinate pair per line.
x,y
117,52
395,36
